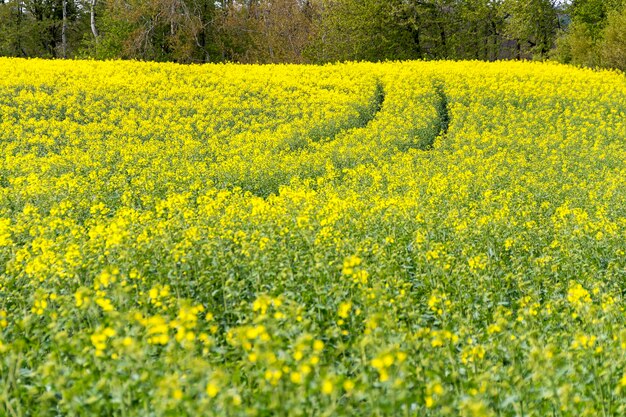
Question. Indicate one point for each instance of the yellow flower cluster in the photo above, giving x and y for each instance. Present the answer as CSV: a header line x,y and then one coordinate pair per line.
x,y
408,238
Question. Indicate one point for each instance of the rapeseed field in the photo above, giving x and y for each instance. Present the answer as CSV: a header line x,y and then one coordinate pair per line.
x,y
397,239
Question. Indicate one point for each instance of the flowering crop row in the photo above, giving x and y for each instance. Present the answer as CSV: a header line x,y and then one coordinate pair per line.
x,y
423,239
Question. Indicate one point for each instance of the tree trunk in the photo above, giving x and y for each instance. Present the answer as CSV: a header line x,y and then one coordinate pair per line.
x,y
94,29
415,34
495,53
172,12
444,41
19,28
64,31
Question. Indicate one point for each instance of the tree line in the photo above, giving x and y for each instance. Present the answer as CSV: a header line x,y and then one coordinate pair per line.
x,y
585,32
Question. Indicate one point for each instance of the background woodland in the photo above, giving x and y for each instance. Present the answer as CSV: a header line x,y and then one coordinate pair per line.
x,y
581,32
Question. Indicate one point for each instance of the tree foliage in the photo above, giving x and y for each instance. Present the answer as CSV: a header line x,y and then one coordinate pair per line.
x,y
315,31
596,35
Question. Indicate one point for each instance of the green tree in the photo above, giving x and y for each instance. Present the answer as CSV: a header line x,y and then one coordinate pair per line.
x,y
613,43
455,29
595,36
159,30
593,14
532,24
39,28
481,31
577,46
401,29
13,36
362,30
267,31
